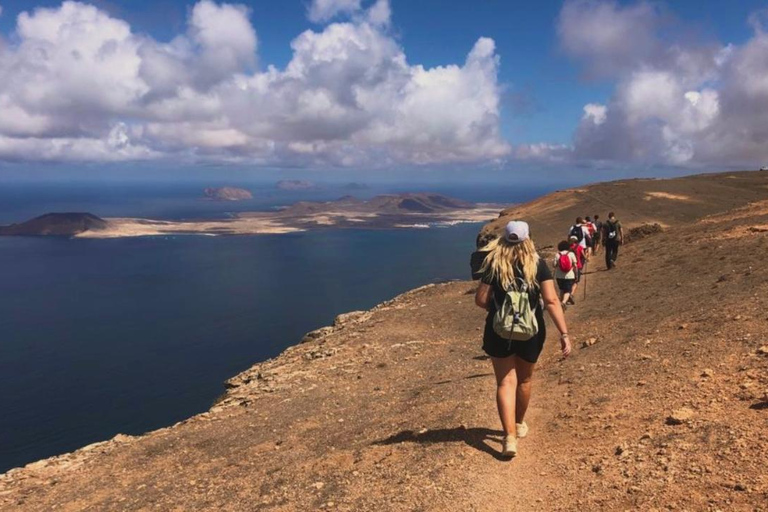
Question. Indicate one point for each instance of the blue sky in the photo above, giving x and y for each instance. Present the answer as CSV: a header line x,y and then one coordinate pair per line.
x,y
543,86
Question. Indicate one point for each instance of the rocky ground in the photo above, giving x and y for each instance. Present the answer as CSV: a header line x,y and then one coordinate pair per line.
x,y
663,406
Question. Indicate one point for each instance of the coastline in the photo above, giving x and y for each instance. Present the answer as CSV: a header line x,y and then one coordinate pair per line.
x,y
257,223
241,389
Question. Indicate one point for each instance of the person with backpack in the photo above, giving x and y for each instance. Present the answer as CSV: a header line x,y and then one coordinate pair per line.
x,y
598,232
581,261
565,271
578,231
515,287
613,237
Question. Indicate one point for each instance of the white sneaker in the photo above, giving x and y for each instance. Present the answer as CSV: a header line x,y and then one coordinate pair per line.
x,y
510,447
522,429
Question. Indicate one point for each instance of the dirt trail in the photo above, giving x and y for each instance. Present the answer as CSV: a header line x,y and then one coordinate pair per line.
x,y
664,408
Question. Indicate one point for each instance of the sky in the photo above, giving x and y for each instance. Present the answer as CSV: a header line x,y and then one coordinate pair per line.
x,y
435,87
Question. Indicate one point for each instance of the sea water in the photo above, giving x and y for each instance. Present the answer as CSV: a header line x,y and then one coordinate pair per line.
x,y
99,337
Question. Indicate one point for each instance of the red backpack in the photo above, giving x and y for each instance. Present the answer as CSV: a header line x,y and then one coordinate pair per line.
x,y
564,262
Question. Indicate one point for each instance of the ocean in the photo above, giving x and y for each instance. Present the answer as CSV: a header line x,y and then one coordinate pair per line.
x,y
100,337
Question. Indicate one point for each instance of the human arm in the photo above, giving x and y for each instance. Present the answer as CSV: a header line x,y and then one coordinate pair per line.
x,y
621,234
483,295
555,310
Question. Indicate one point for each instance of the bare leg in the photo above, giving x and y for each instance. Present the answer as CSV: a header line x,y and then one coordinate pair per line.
x,y
506,385
524,371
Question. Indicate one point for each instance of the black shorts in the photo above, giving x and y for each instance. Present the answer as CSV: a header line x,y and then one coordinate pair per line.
x,y
566,285
496,346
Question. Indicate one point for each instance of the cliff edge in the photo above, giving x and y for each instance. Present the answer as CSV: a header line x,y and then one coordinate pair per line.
x,y
663,405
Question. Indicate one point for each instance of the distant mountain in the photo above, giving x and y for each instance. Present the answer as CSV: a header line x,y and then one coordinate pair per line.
x,y
295,185
55,224
228,194
417,203
395,204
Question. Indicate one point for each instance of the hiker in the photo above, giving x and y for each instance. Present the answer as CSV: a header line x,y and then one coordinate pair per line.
x,y
477,257
591,240
515,287
598,233
581,260
580,231
613,237
565,271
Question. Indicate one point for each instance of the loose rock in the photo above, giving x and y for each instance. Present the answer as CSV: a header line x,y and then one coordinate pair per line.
x,y
680,416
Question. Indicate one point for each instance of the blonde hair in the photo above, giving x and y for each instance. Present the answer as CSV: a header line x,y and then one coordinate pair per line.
x,y
503,256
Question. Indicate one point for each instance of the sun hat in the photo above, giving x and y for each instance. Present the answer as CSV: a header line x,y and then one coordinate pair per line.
x,y
516,231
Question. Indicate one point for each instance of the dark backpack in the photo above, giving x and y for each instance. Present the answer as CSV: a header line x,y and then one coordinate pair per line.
x,y
611,231
564,262
577,232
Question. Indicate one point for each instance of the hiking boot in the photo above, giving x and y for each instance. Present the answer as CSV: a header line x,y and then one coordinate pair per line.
x,y
571,301
522,429
510,447
565,306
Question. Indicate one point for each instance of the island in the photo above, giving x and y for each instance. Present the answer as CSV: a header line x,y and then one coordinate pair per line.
x,y
416,210
295,185
227,194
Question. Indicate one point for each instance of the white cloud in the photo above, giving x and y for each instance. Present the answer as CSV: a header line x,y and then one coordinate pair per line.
x,y
82,85
324,10
380,13
606,36
676,102
595,113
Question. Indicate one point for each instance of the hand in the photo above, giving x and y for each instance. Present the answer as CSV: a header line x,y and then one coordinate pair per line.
x,y
565,345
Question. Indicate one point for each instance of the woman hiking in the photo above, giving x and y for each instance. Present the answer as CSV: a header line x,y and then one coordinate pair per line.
x,y
566,266
516,285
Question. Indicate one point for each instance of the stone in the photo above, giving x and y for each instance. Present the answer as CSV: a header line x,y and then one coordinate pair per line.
x,y
351,317
589,342
317,334
680,416
708,373
763,351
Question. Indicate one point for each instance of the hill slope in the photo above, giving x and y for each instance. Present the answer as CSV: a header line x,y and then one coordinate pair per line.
x,y
56,224
393,409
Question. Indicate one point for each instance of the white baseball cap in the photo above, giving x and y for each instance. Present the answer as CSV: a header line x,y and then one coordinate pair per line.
x,y
516,231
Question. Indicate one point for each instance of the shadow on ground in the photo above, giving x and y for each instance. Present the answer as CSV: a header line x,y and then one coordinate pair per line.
x,y
477,438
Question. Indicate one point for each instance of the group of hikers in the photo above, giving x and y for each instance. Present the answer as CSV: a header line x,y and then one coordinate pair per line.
x,y
584,240
516,285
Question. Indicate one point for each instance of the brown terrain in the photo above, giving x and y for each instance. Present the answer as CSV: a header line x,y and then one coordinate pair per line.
x,y
662,406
